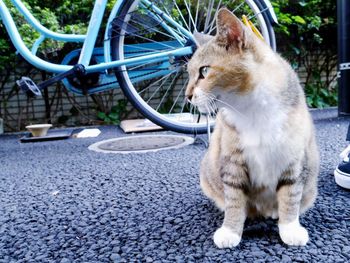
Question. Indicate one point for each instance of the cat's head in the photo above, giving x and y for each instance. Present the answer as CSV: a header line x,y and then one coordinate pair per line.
x,y
223,64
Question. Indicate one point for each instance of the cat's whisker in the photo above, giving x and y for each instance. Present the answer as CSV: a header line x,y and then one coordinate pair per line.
x,y
231,107
211,106
191,108
214,107
211,96
206,101
211,103
208,109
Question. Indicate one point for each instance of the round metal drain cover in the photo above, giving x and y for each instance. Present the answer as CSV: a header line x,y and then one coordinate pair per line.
x,y
141,143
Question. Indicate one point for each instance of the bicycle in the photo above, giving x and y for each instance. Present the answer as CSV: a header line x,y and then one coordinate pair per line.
x,y
147,44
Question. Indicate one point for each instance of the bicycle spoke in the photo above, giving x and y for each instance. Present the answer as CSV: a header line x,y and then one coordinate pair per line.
x,y
146,30
153,83
233,11
157,90
151,50
165,9
208,18
139,66
178,96
255,15
128,34
151,40
180,37
190,18
196,19
180,13
166,78
216,11
167,91
149,53
155,30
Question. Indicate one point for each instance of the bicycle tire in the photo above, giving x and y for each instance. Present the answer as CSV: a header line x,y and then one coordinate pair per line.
x,y
269,23
123,74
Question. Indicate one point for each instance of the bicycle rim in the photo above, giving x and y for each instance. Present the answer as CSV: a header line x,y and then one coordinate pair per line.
x,y
156,88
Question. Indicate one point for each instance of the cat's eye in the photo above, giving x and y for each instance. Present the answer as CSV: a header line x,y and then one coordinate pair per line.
x,y
203,72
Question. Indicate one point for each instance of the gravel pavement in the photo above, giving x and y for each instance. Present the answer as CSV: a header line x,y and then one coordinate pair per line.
x,y
60,202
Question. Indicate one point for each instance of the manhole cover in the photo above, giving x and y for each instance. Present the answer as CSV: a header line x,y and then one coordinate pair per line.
x,y
141,143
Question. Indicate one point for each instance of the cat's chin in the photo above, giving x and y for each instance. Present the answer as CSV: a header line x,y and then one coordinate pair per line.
x,y
202,109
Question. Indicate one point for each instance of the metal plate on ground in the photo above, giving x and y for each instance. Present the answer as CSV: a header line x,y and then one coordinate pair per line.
x,y
51,135
141,143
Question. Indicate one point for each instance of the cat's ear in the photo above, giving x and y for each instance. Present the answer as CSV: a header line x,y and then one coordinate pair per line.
x,y
230,30
201,39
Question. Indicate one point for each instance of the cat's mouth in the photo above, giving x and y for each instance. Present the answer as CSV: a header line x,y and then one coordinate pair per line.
x,y
209,104
201,105
205,102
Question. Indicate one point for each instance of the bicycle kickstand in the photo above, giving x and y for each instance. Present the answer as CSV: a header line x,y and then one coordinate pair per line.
x,y
202,140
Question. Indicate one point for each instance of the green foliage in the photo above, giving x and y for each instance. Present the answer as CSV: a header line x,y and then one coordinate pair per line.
x,y
44,14
318,95
306,21
116,113
68,16
306,35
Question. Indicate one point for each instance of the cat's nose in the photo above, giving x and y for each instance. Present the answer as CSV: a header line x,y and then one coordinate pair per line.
x,y
189,97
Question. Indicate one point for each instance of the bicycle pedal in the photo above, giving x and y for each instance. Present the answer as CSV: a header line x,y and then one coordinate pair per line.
x,y
29,87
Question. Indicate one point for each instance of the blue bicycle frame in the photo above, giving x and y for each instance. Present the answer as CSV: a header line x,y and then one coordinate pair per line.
x,y
89,39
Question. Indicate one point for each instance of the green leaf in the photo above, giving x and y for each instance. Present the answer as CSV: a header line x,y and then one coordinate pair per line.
x,y
123,103
101,115
113,116
296,50
309,101
116,122
107,120
299,20
302,3
324,92
318,38
115,108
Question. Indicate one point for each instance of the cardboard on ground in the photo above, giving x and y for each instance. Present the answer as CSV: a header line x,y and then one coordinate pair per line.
x,y
141,125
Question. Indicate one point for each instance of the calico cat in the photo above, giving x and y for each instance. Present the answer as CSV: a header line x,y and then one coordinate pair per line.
x,y
263,158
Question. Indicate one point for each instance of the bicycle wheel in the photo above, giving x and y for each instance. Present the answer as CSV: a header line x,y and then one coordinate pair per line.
x,y
156,87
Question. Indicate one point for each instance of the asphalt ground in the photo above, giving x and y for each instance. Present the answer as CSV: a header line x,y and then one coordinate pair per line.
x,y
60,202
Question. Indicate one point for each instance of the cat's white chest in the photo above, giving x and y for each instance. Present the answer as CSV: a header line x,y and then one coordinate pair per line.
x,y
265,150
265,164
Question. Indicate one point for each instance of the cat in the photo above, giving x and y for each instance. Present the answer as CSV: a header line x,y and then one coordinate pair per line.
x,y
263,158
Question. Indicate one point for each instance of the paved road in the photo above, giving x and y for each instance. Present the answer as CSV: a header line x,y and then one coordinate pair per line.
x,y
61,202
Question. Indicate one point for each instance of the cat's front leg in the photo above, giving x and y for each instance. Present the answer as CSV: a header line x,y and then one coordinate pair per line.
x,y
235,181
289,194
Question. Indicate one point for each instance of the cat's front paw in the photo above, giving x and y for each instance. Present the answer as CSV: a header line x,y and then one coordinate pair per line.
x,y
226,238
293,234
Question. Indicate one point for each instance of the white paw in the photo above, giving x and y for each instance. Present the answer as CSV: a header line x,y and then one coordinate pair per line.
x,y
226,238
274,214
293,234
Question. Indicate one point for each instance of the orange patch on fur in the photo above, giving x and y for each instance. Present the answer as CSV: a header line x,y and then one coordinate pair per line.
x,y
237,79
